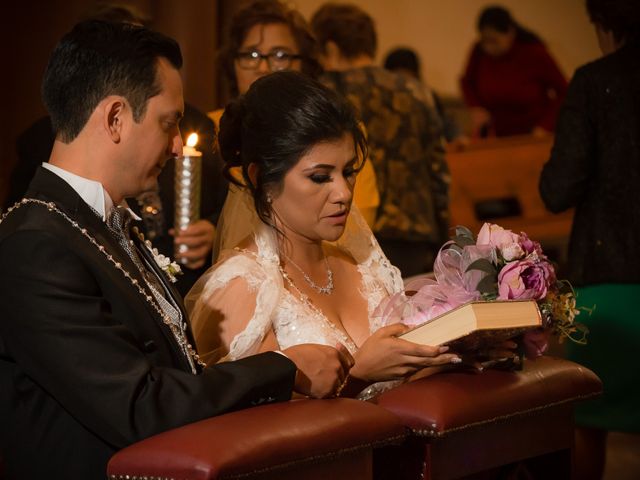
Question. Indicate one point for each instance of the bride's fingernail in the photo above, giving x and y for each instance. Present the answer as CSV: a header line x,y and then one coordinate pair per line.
x,y
456,360
443,349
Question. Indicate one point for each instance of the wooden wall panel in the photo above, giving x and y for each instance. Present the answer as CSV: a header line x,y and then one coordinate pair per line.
x,y
31,28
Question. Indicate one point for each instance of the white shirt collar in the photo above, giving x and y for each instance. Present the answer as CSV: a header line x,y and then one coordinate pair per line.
x,y
92,192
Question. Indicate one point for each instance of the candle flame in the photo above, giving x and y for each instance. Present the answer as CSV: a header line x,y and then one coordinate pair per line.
x,y
192,140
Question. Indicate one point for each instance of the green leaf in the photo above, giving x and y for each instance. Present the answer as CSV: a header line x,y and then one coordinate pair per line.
x,y
462,231
489,297
455,247
464,241
483,265
488,285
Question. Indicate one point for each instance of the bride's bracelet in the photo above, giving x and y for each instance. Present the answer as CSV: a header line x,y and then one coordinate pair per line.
x,y
341,386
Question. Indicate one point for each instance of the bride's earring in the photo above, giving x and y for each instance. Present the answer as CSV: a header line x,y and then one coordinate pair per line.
x,y
269,199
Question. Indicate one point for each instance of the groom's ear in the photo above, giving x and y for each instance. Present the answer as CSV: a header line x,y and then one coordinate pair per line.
x,y
113,117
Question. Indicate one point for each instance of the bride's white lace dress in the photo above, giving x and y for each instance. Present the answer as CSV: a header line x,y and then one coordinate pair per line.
x,y
290,315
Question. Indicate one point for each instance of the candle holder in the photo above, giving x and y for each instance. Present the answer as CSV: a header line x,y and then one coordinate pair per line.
x,y
187,187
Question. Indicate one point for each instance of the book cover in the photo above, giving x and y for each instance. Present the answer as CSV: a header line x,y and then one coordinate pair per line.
x,y
477,324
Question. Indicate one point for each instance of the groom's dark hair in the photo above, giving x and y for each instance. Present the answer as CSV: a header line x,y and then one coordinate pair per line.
x,y
97,59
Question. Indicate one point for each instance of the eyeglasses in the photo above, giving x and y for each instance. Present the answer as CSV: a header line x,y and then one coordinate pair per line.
x,y
277,60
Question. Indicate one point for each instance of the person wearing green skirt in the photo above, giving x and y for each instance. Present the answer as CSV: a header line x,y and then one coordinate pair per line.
x,y
595,168
612,353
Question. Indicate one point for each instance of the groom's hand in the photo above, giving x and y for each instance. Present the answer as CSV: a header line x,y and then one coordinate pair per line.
x,y
321,369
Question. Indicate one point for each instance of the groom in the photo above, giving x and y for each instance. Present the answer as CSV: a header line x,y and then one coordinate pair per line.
x,y
95,349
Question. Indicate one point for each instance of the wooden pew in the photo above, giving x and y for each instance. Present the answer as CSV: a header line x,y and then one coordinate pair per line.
x,y
301,439
465,423
502,174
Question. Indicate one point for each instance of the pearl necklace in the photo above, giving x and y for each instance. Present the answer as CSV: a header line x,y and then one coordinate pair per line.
x,y
326,290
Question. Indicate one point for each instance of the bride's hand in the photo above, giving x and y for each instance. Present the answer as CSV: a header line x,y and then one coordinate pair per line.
x,y
383,356
321,369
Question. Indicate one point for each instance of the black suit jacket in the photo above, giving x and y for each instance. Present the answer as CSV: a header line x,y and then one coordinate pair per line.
x,y
86,364
595,167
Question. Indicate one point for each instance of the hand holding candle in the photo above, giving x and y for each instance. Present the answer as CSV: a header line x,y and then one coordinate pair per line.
x,y
198,237
187,188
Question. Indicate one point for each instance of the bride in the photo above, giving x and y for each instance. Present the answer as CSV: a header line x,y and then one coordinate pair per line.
x,y
298,263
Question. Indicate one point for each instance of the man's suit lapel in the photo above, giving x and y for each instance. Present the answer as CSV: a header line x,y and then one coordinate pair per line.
x,y
49,187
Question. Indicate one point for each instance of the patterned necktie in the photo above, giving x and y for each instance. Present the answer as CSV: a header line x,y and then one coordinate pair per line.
x,y
120,222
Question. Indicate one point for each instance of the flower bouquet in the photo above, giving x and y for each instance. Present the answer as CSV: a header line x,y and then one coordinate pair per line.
x,y
498,265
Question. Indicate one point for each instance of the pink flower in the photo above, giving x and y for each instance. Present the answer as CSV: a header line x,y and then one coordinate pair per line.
x,y
525,279
529,246
507,242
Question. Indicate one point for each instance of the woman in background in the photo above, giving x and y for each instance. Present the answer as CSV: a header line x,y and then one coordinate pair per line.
x,y
265,36
595,167
511,84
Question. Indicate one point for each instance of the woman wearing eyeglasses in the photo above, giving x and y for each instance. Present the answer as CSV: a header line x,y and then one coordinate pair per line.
x,y
268,36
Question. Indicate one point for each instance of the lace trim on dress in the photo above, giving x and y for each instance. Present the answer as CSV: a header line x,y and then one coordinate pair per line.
x,y
249,267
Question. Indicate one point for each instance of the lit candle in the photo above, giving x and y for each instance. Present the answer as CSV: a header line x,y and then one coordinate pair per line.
x,y
187,187
189,150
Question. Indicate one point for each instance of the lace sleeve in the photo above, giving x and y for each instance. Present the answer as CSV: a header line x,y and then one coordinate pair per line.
x,y
230,308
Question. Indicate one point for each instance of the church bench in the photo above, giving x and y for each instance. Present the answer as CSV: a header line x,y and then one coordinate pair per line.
x,y
464,423
496,180
303,439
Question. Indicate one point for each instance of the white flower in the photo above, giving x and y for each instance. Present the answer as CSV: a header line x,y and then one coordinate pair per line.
x,y
170,268
512,251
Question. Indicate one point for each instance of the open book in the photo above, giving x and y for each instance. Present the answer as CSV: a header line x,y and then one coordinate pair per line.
x,y
476,324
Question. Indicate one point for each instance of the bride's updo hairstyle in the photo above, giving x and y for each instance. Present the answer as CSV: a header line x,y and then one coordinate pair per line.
x,y
280,118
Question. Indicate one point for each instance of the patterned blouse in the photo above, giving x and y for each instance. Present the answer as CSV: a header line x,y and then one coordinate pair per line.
x,y
407,151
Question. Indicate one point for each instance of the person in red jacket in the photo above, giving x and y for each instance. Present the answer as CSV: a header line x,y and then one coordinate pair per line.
x,y
511,84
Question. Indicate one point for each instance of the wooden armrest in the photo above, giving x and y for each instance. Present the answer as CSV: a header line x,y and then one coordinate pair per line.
x,y
259,440
446,402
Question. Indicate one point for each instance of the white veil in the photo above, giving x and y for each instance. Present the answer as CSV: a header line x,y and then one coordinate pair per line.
x,y
238,220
